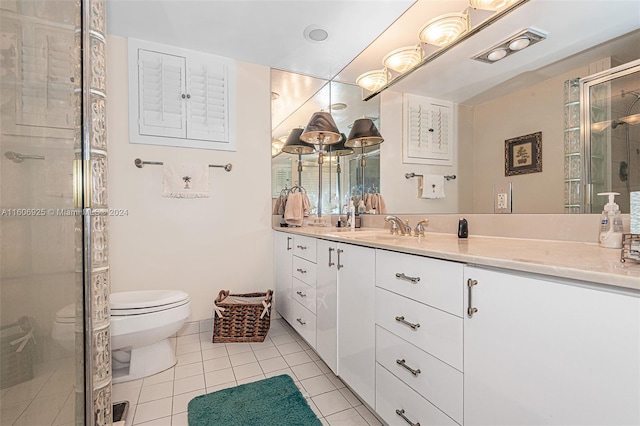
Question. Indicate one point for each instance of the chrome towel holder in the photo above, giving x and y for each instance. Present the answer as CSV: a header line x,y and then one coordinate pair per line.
x,y
140,163
410,175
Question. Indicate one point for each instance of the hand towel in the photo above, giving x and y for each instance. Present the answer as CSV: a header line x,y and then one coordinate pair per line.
x,y
277,205
293,212
305,205
186,181
382,207
368,201
431,186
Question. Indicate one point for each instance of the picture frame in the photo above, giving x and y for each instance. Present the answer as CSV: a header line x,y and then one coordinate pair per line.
x,y
523,154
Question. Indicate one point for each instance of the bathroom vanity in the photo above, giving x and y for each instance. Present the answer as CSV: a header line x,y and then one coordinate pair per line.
x,y
437,330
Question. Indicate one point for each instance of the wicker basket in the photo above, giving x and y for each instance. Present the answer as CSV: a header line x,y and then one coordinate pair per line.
x,y
241,317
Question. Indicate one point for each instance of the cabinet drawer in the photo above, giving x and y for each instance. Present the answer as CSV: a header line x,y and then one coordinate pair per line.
x,y
436,381
304,270
392,394
437,283
436,332
305,247
304,322
304,294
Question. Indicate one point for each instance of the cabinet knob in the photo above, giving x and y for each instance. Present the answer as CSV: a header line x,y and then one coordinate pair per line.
x,y
188,96
184,96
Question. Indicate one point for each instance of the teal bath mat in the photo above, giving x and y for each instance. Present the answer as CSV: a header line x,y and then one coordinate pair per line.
x,y
268,402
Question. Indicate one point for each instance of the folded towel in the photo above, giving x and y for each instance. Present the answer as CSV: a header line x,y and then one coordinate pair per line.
x,y
431,186
368,198
294,212
382,207
305,205
186,181
276,205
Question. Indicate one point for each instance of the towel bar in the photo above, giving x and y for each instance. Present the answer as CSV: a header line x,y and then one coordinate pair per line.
x,y
410,175
139,164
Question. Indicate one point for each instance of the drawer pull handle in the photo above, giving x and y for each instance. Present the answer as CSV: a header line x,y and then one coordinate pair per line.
x,y
339,265
470,309
401,414
302,271
288,241
402,320
330,262
300,321
402,363
301,294
302,247
402,276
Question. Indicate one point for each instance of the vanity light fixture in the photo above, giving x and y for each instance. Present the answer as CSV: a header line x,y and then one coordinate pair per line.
x,y
321,130
444,29
374,80
403,59
631,119
338,106
294,145
516,43
490,4
601,126
364,133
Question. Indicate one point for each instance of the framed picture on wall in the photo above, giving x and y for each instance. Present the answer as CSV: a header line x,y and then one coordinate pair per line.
x,y
523,154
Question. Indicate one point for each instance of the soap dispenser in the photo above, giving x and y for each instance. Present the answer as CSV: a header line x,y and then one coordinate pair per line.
x,y
610,223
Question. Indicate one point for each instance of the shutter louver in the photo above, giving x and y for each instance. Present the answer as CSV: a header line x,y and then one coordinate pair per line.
x,y
208,104
161,86
428,135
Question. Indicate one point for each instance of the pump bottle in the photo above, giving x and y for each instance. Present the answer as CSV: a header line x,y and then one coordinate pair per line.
x,y
610,223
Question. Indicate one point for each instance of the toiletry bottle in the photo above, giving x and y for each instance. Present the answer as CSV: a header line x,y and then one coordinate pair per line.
x,y
610,223
463,228
352,215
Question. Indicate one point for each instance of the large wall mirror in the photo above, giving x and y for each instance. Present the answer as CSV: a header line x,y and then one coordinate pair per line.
x,y
506,102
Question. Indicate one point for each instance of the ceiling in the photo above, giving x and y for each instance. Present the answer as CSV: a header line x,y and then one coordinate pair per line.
x,y
264,32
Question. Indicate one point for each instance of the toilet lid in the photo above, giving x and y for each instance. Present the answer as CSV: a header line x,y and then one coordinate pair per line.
x,y
146,299
66,314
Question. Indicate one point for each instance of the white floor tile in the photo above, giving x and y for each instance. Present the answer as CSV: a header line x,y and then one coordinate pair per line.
x,y
208,344
152,410
120,392
289,348
324,421
164,421
216,364
323,367
9,412
348,417
191,338
371,419
273,364
236,348
56,387
242,358
297,358
26,391
155,392
247,370
268,343
206,326
331,402
266,353
282,339
353,400
335,380
314,408
304,371
180,402
216,352
43,410
163,376
317,385
181,419
188,348
221,386
314,356
189,328
251,379
188,384
286,371
219,377
183,371
303,344
189,358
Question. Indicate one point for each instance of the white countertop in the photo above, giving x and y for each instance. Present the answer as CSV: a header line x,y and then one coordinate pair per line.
x,y
573,260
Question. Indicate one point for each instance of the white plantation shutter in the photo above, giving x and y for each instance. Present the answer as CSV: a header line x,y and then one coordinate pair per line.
x,y
207,107
45,94
428,135
161,84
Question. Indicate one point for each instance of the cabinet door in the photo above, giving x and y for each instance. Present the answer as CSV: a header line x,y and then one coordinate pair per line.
x,y
544,352
327,304
207,104
356,319
283,244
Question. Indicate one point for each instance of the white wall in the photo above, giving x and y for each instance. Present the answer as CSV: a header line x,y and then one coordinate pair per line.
x,y
197,245
401,194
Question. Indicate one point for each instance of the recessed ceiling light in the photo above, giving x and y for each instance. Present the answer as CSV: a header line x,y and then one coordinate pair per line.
x,y
497,54
520,43
338,106
315,33
443,29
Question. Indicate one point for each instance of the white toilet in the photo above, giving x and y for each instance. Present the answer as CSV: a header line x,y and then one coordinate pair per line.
x,y
141,324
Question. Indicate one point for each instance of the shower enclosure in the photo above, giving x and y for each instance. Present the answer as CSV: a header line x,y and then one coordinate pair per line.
x,y
54,317
610,117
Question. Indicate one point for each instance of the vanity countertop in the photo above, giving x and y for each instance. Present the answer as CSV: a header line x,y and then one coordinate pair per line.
x,y
574,260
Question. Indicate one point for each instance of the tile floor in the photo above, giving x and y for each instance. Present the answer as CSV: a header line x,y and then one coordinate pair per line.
x,y
47,399
205,367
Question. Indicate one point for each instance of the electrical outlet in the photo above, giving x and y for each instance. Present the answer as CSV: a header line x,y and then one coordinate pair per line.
x,y
502,201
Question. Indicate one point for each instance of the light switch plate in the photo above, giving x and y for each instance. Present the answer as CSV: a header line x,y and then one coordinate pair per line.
x,y
502,197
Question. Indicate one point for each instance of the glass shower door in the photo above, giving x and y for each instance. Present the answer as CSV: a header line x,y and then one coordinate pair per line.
x,y
41,279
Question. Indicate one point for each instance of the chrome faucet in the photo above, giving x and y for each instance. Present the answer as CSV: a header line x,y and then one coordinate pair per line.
x,y
419,231
398,226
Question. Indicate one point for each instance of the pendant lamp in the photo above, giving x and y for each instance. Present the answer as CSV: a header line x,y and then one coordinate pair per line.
x,y
321,130
364,133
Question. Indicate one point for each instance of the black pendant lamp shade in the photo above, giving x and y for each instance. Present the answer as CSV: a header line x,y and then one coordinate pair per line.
x,y
364,133
338,149
295,145
321,130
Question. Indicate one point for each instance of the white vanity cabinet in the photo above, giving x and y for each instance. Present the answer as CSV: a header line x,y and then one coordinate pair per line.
x,y
283,251
303,293
327,303
544,351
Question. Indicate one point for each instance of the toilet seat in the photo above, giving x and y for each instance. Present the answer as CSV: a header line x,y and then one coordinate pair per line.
x,y
145,302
